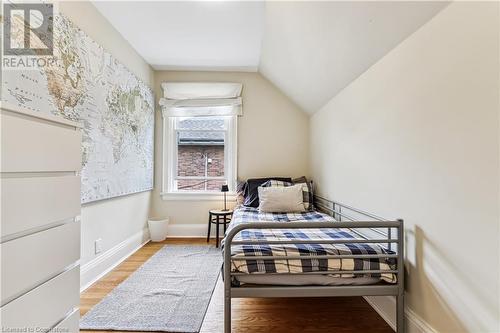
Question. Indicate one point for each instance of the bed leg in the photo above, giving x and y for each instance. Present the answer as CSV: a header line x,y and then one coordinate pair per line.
x,y
227,280
227,310
400,313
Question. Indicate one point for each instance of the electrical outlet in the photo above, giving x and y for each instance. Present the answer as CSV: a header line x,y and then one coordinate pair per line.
x,y
98,246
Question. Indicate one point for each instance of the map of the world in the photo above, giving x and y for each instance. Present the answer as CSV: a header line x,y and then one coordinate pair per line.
x,y
86,84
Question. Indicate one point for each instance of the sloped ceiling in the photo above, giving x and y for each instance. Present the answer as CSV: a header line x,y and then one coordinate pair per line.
x,y
312,50
309,49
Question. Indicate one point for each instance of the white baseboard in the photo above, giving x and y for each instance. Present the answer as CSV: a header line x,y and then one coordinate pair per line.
x,y
386,308
192,230
417,324
103,264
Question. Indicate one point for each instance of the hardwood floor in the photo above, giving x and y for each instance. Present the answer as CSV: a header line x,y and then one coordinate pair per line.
x,y
305,315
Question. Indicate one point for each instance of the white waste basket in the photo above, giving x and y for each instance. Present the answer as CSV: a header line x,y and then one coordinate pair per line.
x,y
158,228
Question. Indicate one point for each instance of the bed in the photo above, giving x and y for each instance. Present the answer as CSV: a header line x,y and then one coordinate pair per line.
x,y
334,250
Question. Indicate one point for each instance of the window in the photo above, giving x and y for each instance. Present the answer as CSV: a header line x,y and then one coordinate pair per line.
x,y
199,138
200,155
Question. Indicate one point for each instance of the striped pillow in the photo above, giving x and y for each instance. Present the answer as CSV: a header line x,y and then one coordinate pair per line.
x,y
308,192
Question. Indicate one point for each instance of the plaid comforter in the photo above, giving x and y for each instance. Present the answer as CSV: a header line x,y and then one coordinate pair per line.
x,y
308,251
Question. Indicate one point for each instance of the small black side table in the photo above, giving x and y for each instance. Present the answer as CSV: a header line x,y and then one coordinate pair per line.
x,y
218,217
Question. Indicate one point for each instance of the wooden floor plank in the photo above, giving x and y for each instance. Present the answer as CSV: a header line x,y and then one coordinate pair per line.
x,y
253,315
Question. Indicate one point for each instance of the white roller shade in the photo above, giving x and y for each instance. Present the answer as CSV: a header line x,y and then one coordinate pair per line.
x,y
201,90
187,99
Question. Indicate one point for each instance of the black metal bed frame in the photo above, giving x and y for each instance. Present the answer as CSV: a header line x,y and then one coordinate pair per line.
x,y
343,215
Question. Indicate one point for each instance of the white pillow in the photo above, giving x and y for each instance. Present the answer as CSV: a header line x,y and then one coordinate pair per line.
x,y
281,199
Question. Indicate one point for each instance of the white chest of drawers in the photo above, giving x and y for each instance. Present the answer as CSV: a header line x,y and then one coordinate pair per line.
x,y
40,225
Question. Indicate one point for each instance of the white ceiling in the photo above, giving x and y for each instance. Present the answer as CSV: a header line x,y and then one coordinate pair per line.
x,y
201,35
310,50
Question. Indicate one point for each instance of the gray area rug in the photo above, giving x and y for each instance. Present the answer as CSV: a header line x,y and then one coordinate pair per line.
x,y
169,293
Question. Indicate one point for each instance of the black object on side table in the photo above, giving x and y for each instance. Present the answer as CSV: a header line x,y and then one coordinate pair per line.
x,y
218,217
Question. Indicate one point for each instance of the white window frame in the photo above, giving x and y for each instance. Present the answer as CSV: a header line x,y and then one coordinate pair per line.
x,y
169,162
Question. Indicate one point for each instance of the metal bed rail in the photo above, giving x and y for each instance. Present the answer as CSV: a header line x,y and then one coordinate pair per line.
x,y
337,211
375,223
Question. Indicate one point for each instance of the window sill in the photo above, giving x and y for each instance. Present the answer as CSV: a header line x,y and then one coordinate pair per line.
x,y
193,196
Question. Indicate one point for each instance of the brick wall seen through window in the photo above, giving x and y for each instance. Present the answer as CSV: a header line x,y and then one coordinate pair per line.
x,y
200,161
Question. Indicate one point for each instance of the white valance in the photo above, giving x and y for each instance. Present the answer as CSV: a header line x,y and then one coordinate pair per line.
x,y
187,99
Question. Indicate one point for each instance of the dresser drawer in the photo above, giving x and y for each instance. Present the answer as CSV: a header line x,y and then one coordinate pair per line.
x,y
30,144
45,306
29,261
50,199
70,324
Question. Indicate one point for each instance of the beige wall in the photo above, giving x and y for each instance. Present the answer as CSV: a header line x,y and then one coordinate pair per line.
x,y
417,137
115,220
273,139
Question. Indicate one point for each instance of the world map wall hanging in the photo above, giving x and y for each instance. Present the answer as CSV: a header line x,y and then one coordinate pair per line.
x,y
88,85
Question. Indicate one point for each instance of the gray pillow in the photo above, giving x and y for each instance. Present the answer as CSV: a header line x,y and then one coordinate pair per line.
x,y
281,199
